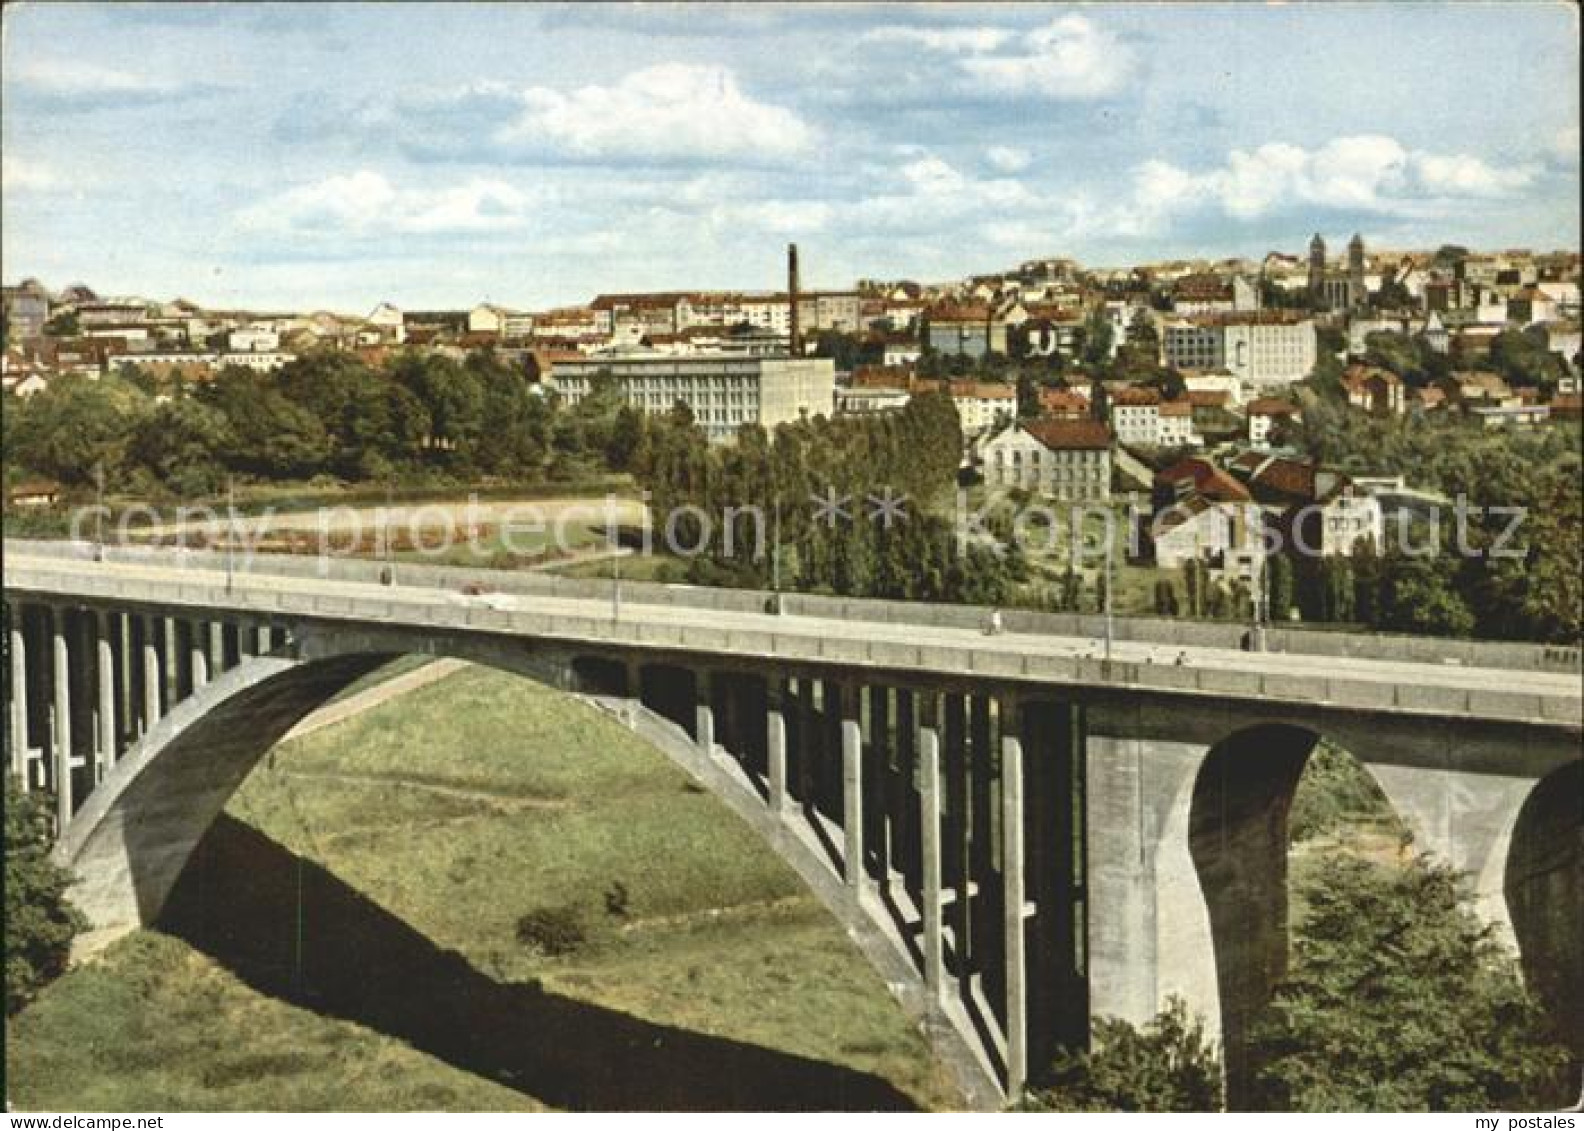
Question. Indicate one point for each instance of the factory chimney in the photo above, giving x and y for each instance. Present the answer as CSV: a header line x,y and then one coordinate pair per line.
x,y
794,339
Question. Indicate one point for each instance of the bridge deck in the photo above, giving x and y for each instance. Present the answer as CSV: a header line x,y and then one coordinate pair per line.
x,y
190,582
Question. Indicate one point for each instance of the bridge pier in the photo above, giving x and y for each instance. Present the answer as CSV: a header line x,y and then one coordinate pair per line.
x,y
930,809
17,687
1149,928
1465,820
104,669
153,674
776,747
704,713
1016,916
852,787
61,676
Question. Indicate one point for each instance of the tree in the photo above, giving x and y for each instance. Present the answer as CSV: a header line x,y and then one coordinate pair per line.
x,y
1399,999
75,426
180,444
1168,1065
63,325
1278,587
1525,360
39,923
271,435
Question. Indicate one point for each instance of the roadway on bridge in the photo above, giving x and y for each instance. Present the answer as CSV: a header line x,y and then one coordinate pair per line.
x,y
634,612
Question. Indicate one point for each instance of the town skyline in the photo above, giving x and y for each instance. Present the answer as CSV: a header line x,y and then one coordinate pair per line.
x,y
549,155
774,280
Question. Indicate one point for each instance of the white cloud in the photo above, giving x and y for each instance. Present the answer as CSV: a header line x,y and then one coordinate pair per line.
x,y
669,110
1366,173
20,174
779,217
1565,147
71,78
1008,159
931,193
1071,57
949,40
366,203
1462,175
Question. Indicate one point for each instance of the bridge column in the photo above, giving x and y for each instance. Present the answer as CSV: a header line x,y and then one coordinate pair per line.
x,y
263,640
1149,930
776,746
930,805
1015,915
852,785
126,681
151,673
1462,819
956,869
62,722
19,695
217,652
170,662
198,657
704,713
104,667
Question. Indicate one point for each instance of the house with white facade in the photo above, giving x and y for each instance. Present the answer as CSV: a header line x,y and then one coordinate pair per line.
x,y
1065,460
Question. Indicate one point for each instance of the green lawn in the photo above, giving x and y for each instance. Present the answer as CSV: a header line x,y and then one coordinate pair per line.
x,y
384,863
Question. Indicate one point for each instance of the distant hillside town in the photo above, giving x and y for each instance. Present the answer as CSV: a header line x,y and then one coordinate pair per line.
x,y
1182,379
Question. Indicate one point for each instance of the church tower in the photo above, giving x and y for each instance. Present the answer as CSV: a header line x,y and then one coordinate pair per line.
x,y
1317,266
1357,296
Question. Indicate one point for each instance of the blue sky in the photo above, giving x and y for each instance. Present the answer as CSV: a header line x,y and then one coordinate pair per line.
x,y
342,154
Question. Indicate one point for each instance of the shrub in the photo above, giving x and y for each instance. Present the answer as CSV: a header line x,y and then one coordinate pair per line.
x,y
552,931
1169,1064
39,923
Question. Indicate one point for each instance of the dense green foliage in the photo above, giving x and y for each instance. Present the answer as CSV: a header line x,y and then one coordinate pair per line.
x,y
1337,797
39,923
1169,1064
744,504
1531,589
1400,999
416,418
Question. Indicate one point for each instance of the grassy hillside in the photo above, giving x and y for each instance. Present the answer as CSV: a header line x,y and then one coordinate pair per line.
x,y
352,936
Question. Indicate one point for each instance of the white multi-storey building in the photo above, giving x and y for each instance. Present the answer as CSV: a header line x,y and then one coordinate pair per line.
x,y
1270,348
1068,460
725,391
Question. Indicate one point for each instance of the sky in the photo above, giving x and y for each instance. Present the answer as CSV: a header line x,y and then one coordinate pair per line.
x,y
333,156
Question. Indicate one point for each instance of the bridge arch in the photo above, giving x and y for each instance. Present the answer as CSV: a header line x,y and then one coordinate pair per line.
x,y
1544,889
1239,838
136,830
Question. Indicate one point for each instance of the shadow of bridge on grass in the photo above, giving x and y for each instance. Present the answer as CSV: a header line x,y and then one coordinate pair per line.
x,y
238,900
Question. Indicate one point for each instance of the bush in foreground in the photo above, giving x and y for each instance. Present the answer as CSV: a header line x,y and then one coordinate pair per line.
x,y
39,923
1170,1064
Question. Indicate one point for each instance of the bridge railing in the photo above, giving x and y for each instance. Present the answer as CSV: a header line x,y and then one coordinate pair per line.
x,y
792,640
1169,632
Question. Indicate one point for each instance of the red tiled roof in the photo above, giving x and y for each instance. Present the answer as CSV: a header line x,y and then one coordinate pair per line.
x,y
959,312
1070,435
1137,395
1208,479
1272,406
983,390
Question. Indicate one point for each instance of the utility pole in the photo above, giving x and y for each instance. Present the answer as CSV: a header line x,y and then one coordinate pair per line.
x,y
775,558
1259,611
99,548
230,532
615,576
1109,585
385,537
